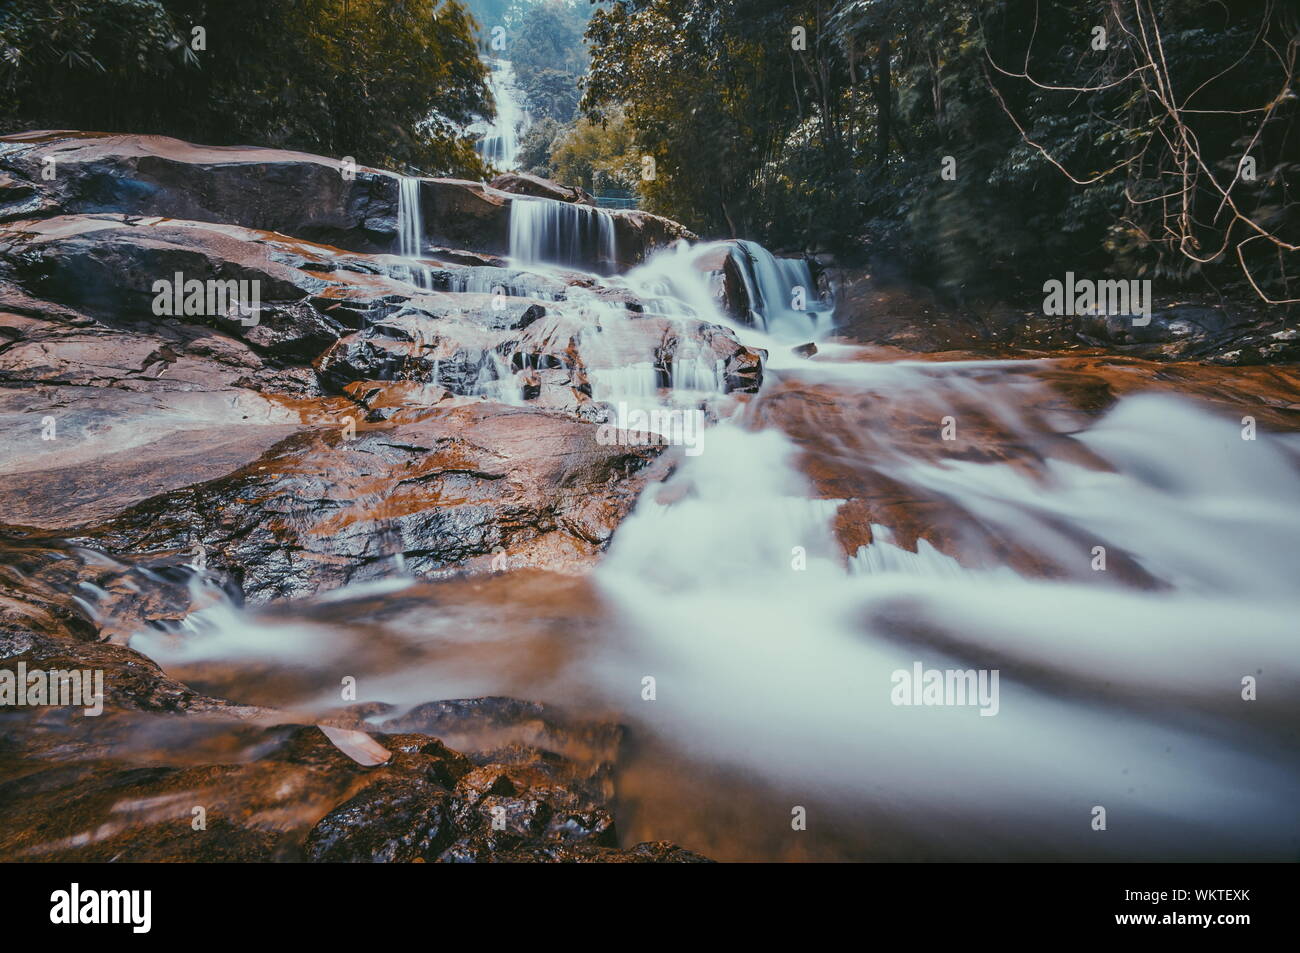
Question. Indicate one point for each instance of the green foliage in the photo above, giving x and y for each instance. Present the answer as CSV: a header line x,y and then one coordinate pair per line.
x,y
550,58
707,88
389,82
536,146
600,157
551,93
841,144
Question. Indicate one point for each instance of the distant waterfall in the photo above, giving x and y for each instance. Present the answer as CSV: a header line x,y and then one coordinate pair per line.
x,y
500,142
544,231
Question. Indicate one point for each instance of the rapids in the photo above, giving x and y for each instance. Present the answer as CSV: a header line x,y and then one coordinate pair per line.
x,y
828,536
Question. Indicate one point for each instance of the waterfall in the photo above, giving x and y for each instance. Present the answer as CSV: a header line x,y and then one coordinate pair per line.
x,y
782,295
410,230
544,231
410,223
500,142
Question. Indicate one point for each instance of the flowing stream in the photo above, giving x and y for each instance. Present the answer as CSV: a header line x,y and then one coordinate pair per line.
x,y
831,535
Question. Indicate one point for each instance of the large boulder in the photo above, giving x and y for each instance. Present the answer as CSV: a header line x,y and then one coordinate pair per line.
x,y
524,183
268,790
357,501
309,196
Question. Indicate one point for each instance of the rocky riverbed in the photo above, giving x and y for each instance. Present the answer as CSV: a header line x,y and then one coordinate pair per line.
x,y
361,421
366,582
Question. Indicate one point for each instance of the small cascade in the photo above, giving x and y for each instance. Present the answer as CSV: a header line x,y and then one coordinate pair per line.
x,y
672,283
410,231
783,297
695,369
513,284
544,231
496,380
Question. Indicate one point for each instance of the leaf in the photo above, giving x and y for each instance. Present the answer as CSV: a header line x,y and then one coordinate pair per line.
x,y
357,745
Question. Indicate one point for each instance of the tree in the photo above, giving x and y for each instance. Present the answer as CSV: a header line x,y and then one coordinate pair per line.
x,y
536,146
983,141
550,59
389,82
601,158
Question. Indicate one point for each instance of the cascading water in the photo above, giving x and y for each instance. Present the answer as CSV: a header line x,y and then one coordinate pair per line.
x,y
782,294
410,222
544,231
1107,689
410,230
773,633
500,142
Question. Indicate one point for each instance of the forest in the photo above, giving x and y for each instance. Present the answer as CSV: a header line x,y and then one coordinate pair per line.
x,y
970,139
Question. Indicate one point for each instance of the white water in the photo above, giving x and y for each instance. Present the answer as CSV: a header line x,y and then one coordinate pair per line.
x,y
500,142
1110,696
544,231
773,653
410,230
782,294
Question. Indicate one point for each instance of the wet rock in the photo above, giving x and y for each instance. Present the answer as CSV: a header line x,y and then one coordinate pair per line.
x,y
253,792
109,266
638,234
523,183
323,508
399,401
129,680
293,330
291,192
398,820
730,290
1231,335
470,346
493,729
410,346
650,852
460,256
111,448
311,197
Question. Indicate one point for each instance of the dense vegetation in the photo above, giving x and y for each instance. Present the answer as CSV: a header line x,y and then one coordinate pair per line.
x,y
836,136
543,39
550,58
981,141
388,82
